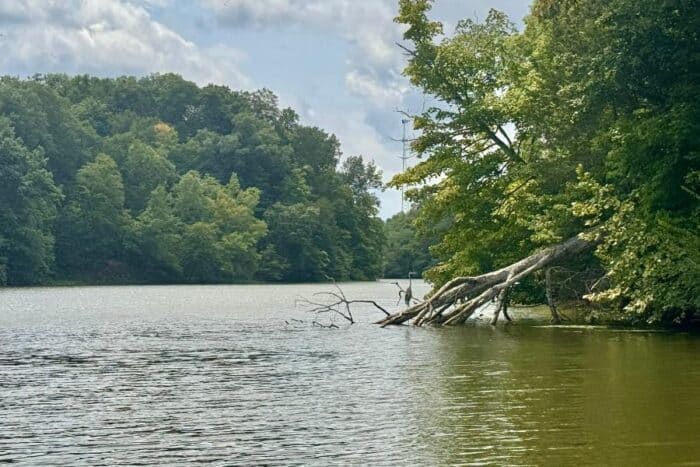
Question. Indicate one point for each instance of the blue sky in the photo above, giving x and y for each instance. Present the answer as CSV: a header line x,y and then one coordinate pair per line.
x,y
333,61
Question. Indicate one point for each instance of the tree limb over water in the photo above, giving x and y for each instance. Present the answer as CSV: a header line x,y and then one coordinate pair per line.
x,y
458,299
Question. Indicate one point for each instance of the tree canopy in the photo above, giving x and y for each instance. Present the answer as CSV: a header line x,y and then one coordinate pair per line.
x,y
158,180
586,121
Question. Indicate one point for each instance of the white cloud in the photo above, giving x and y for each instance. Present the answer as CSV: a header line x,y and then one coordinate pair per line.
x,y
374,69
367,25
105,37
157,3
389,95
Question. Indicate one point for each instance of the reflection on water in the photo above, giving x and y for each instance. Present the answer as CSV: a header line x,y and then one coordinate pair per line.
x,y
168,375
523,395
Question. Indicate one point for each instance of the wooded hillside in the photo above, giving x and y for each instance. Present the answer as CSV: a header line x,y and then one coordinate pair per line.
x,y
159,180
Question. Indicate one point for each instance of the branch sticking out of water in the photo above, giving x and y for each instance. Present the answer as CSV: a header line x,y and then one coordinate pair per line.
x,y
338,304
459,298
324,326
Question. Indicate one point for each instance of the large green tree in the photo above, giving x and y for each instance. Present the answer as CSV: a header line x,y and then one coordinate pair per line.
x,y
95,222
28,206
220,230
143,170
584,121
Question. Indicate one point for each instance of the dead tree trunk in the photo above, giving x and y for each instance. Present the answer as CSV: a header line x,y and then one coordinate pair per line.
x,y
556,319
502,307
457,300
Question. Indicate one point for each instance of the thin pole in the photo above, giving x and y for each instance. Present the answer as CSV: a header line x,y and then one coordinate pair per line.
x,y
405,155
404,158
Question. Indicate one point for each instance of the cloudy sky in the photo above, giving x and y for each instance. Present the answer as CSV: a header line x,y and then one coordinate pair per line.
x,y
333,61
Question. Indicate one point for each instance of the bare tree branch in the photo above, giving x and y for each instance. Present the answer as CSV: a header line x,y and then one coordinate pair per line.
x,y
408,51
339,304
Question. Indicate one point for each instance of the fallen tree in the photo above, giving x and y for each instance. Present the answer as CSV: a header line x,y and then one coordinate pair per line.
x,y
459,298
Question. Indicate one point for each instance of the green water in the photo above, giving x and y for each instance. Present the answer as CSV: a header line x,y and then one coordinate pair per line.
x,y
568,396
224,375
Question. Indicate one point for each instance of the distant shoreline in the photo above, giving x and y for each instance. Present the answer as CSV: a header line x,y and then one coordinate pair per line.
x,y
59,284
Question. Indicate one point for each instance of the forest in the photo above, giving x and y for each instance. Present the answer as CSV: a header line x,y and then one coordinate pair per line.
x,y
156,180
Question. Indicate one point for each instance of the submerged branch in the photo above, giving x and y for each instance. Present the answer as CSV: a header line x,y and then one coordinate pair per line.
x,y
339,304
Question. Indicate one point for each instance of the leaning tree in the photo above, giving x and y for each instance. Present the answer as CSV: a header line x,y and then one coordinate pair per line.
x,y
459,298
585,120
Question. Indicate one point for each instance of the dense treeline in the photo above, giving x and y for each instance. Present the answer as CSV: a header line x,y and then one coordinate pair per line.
x,y
587,121
407,250
158,180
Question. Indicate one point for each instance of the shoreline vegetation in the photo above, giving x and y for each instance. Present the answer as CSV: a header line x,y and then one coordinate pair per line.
x,y
574,313
582,126
158,180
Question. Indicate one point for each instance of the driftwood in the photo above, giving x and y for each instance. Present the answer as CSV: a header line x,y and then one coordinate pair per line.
x,y
458,299
339,304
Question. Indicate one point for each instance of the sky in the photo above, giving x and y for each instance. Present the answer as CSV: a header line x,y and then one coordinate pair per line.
x,y
335,62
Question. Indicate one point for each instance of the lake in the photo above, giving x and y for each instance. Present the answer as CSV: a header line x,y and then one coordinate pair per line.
x,y
227,375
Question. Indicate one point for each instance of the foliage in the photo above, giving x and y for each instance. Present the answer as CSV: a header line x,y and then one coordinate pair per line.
x,y
651,258
586,120
407,249
28,206
168,182
94,223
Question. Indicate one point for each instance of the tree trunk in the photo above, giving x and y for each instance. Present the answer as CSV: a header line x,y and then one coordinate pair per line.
x,y
502,307
458,299
556,319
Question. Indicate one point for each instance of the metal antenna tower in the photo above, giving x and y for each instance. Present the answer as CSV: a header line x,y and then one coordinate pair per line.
x,y
404,157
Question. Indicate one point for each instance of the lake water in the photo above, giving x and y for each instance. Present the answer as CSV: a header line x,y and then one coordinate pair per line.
x,y
224,375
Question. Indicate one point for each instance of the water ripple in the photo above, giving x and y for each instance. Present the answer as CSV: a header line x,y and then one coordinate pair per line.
x,y
154,382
